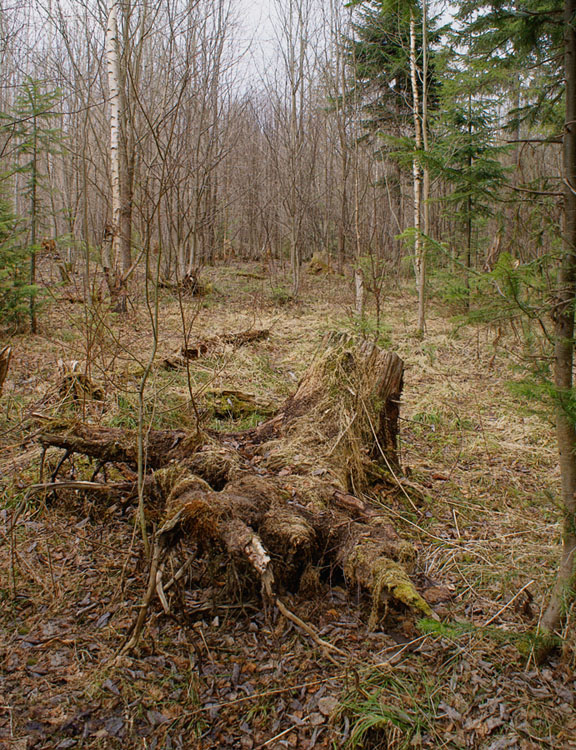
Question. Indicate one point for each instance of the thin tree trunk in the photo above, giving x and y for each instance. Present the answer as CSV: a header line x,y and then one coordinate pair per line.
x,y
419,261
426,174
33,224
564,589
5,356
109,261
117,266
469,210
294,243
359,285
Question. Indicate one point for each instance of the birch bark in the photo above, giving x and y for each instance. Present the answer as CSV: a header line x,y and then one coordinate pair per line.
x,y
112,248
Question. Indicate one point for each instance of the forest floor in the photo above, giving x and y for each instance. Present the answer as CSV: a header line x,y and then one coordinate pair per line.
x,y
219,672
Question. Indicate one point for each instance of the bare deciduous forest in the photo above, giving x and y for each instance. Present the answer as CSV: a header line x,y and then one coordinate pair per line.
x,y
287,416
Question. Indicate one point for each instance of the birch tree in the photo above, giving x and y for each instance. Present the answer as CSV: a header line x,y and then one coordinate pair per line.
x,y
112,244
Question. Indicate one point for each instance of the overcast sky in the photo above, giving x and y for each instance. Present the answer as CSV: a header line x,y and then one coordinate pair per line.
x,y
259,29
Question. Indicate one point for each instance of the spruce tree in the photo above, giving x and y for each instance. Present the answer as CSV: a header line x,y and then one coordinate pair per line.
x,y
468,159
393,55
30,126
537,38
15,290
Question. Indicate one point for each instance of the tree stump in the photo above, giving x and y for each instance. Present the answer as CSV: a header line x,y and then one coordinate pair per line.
x,y
286,497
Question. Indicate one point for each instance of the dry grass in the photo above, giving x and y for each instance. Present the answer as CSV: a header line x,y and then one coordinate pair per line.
x,y
486,525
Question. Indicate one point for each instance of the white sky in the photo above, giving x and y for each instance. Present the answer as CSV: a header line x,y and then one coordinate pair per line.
x,y
259,29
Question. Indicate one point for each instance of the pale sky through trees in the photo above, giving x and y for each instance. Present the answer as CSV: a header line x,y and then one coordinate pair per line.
x,y
259,29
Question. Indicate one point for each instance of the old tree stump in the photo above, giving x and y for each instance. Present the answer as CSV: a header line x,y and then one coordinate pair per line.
x,y
284,501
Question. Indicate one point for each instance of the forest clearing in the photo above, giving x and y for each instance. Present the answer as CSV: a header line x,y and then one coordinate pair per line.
x,y
479,477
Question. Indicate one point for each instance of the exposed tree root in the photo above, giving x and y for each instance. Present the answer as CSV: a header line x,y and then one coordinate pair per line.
x,y
282,499
189,285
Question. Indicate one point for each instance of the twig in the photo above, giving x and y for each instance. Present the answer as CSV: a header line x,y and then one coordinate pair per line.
x,y
180,573
277,737
158,553
456,523
505,607
160,589
75,485
309,630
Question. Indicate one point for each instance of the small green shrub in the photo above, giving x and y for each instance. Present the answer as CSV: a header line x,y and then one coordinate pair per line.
x,y
281,296
15,291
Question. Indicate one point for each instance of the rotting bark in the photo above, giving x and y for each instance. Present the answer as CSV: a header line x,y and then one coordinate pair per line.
x,y
189,285
230,403
284,497
76,385
203,346
5,356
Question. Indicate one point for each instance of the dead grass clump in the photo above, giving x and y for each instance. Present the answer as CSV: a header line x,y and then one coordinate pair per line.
x,y
319,263
216,464
75,385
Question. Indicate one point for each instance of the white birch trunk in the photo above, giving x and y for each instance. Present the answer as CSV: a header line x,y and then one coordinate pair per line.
x,y
112,250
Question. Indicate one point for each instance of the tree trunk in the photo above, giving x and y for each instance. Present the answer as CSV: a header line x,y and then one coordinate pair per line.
x,y
113,64
5,355
359,286
117,257
564,589
425,174
33,223
419,255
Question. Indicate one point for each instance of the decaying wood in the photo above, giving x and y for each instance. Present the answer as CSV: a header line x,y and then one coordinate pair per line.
x,y
189,285
116,445
284,498
5,356
319,263
76,385
203,347
200,348
230,403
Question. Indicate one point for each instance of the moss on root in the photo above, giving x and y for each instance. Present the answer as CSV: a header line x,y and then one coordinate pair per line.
x,y
369,566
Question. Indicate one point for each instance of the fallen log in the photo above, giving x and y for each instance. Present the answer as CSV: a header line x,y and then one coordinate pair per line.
x,y
116,445
284,498
203,347
230,403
